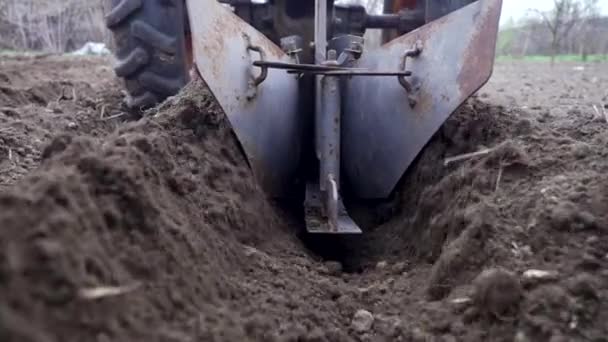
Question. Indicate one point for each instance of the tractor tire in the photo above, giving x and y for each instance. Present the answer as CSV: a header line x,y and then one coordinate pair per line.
x,y
150,49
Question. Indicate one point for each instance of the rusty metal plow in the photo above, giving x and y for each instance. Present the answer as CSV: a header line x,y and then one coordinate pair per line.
x,y
374,109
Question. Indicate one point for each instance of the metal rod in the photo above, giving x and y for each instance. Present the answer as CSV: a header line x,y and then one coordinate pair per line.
x,y
302,67
320,58
320,31
353,72
330,146
382,21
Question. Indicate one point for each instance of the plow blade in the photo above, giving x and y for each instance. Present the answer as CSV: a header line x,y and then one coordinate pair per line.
x,y
263,112
382,132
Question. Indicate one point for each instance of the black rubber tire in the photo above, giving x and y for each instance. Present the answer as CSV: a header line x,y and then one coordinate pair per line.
x,y
150,49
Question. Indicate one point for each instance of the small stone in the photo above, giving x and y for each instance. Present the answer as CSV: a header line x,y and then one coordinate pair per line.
x,y
362,321
592,239
72,125
381,265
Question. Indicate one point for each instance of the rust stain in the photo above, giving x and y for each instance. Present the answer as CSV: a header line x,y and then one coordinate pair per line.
x,y
398,5
425,104
478,57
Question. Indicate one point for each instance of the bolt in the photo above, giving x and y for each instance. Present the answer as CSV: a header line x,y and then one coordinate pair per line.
x,y
332,55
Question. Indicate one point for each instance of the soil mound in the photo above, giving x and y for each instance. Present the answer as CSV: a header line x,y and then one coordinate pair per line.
x,y
162,207
530,198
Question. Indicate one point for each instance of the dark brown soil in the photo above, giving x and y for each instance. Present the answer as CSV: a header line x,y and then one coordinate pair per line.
x,y
156,230
43,97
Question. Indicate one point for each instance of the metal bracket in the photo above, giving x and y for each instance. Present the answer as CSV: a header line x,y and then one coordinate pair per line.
x,y
324,209
292,46
264,69
349,48
457,59
256,80
412,89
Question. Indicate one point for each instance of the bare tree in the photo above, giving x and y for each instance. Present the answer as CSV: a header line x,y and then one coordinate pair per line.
x,y
590,11
560,20
50,25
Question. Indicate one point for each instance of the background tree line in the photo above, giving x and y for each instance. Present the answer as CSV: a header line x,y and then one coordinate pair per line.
x,y
571,27
51,25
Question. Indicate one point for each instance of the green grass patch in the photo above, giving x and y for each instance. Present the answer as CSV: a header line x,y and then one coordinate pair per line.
x,y
547,59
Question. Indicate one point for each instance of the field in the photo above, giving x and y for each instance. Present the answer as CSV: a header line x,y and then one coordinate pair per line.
x,y
154,230
558,58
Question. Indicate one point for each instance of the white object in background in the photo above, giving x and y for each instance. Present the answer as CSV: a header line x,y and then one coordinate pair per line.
x,y
91,48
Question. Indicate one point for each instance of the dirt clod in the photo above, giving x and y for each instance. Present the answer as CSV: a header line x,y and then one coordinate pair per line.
x,y
362,321
497,292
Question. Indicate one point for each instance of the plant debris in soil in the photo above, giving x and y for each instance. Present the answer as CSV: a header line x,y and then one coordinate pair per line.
x,y
157,231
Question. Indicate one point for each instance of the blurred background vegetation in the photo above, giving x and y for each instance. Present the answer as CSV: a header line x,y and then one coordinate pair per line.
x,y
572,30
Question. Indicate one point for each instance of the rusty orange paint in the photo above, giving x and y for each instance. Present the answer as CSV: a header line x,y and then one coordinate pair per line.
x,y
478,59
399,5
189,55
